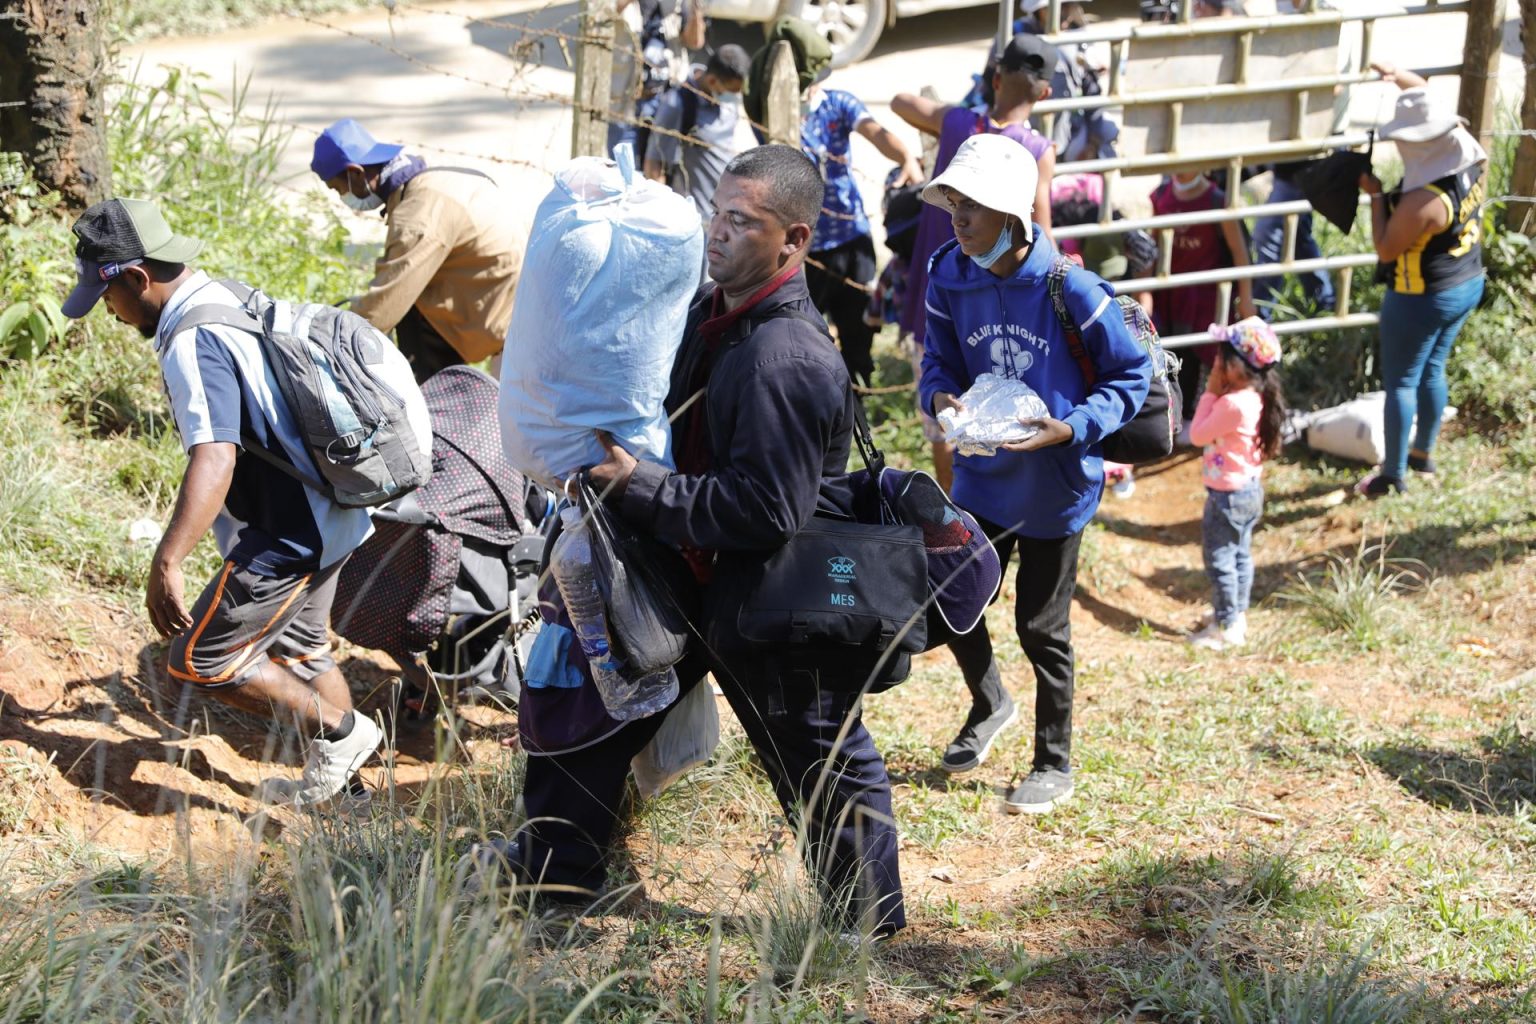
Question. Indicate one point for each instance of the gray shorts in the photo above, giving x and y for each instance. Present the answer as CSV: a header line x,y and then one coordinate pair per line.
x,y
243,620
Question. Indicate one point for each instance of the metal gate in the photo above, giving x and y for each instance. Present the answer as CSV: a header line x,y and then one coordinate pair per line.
x,y
1247,91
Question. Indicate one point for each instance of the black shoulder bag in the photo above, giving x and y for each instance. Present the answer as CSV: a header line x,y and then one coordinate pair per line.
x,y
845,598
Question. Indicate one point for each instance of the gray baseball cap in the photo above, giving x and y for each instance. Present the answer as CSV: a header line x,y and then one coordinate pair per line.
x,y
114,235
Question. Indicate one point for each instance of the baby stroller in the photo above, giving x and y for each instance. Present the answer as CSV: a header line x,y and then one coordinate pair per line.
x,y
446,585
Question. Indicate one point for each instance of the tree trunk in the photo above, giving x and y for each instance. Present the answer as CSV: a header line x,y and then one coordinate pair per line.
x,y
1479,102
53,66
1522,215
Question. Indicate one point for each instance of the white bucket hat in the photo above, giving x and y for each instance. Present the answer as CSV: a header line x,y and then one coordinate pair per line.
x,y
1419,117
994,171
1430,139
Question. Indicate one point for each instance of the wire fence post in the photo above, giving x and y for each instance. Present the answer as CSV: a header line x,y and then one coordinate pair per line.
x,y
1479,102
594,70
1522,181
781,112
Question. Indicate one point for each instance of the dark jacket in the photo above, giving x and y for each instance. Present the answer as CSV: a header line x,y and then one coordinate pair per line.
x,y
780,419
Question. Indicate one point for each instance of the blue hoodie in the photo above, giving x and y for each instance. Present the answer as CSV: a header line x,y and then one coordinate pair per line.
x,y
981,323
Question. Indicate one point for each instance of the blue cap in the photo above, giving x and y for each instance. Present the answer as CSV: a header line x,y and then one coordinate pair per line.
x,y
347,142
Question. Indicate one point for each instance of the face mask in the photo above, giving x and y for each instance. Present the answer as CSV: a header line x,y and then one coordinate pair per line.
x,y
728,97
1188,188
372,201
1003,244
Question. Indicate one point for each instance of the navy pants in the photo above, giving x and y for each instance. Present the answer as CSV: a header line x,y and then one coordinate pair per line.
x,y
573,800
1045,584
1269,245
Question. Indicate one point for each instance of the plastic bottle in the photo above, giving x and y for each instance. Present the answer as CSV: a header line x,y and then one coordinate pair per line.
x,y
576,576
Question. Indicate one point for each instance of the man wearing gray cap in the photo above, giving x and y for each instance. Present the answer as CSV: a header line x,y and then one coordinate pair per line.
x,y
256,638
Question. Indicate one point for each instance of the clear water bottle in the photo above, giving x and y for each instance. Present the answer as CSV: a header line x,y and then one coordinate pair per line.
x,y
575,574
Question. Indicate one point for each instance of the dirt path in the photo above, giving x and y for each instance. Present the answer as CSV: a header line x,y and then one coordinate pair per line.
x,y
95,747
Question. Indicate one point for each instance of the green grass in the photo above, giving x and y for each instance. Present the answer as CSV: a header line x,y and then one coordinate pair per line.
x,y
1355,595
1338,824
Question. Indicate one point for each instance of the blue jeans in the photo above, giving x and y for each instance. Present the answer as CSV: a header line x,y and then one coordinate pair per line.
x,y
1417,332
1226,535
1269,240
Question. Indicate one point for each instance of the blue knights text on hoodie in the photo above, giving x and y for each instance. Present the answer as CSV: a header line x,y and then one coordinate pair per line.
x,y
981,323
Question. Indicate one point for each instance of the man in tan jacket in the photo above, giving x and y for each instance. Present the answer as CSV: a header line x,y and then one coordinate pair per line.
x,y
451,256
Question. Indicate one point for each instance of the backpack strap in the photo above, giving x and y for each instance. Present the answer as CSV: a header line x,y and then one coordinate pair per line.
x,y
1056,285
456,170
689,118
221,316
244,319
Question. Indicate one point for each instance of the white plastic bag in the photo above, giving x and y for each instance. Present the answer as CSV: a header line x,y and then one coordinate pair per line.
x,y
612,264
1357,429
1351,431
687,738
990,414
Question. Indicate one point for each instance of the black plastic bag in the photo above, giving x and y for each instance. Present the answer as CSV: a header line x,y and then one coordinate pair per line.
x,y
649,593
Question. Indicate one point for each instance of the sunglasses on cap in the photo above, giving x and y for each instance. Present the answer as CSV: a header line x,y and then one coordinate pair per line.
x,y
108,271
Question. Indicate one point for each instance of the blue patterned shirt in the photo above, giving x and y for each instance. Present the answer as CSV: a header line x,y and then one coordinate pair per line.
x,y
826,134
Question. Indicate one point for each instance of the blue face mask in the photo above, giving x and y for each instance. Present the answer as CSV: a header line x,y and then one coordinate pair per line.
x,y
1004,244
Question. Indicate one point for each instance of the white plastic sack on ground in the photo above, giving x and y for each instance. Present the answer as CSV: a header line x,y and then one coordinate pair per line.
x,y
1357,429
612,263
687,738
1352,430
990,415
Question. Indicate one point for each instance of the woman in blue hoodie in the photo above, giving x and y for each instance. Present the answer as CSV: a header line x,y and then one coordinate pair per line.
x,y
990,311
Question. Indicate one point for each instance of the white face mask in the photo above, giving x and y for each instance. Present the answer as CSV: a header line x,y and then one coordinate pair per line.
x,y
372,201
1188,188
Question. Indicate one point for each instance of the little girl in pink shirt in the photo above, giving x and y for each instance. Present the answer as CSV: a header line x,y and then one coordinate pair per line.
x,y
1239,423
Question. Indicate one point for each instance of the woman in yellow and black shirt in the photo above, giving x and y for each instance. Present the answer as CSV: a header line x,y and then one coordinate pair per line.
x,y
1428,235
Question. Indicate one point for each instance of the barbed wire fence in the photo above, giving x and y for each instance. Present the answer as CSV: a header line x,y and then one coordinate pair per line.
x,y
588,44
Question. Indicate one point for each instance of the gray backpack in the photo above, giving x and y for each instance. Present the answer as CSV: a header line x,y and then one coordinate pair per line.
x,y
349,389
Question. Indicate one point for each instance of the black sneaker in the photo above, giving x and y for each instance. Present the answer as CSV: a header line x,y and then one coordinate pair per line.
x,y
497,862
1378,485
1421,463
970,748
1042,790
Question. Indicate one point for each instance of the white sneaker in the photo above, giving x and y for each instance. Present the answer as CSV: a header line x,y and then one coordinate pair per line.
x,y
1124,487
331,764
1213,637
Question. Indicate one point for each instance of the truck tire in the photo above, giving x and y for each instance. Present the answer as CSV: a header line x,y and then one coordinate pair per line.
x,y
851,26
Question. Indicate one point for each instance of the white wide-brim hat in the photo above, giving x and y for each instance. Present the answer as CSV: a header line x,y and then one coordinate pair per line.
x,y
992,170
1427,162
1419,117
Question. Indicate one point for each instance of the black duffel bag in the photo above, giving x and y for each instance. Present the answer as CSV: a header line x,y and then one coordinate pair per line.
x,y
844,599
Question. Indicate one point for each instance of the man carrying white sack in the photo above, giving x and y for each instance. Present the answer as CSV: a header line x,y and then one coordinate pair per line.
x,y
765,416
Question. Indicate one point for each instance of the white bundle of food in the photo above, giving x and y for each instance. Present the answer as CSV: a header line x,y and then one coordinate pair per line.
x,y
989,415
